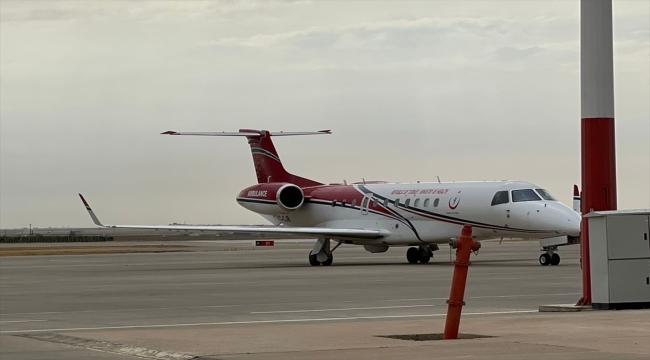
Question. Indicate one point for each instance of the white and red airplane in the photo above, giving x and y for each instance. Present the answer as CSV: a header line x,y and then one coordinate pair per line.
x,y
379,214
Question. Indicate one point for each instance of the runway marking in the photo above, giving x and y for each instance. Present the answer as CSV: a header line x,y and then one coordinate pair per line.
x,y
18,321
153,326
533,277
126,284
512,296
273,304
167,285
346,309
131,309
79,261
488,297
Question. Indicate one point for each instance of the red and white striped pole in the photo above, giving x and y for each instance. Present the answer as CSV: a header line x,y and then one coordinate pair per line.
x,y
597,128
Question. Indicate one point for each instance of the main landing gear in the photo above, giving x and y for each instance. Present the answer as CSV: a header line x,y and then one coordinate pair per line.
x,y
550,257
421,254
321,253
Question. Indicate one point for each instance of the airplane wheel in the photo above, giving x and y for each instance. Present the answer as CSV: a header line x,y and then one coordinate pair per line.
x,y
555,259
329,260
425,259
413,255
544,259
313,261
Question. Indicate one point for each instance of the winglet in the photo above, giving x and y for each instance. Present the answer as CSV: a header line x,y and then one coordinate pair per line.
x,y
90,211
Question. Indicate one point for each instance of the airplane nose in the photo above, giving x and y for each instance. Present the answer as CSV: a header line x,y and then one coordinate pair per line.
x,y
560,219
569,222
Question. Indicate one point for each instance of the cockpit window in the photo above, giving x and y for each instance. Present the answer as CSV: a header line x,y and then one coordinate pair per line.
x,y
545,194
501,197
524,195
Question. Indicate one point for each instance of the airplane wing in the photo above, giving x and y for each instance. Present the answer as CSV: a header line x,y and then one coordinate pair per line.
x,y
315,232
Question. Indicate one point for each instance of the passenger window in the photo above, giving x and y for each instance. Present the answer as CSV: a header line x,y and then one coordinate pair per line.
x,y
354,202
333,203
435,202
417,203
343,202
386,202
426,202
374,202
524,195
408,201
501,197
396,202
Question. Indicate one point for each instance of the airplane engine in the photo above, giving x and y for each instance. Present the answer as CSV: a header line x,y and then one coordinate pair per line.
x,y
375,248
272,198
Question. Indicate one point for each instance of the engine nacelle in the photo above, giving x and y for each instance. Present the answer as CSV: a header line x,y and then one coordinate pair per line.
x,y
272,198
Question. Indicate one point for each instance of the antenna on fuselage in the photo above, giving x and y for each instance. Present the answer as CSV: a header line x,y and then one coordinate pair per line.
x,y
438,179
345,182
364,181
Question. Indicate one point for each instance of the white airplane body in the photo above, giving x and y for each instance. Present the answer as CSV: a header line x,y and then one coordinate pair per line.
x,y
378,214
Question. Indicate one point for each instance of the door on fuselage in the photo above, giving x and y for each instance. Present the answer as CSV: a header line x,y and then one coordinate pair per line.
x,y
365,204
501,200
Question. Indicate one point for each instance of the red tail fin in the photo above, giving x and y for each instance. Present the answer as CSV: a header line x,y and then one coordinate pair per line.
x,y
266,160
268,166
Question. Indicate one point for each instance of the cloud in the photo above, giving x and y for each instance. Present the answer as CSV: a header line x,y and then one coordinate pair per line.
x,y
359,34
398,32
132,11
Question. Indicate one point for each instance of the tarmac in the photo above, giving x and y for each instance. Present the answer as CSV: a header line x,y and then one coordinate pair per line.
x,y
230,300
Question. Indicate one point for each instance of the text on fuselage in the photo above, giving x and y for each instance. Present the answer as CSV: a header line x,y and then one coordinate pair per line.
x,y
419,192
257,193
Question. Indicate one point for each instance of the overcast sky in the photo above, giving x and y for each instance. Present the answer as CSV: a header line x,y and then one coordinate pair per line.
x,y
464,90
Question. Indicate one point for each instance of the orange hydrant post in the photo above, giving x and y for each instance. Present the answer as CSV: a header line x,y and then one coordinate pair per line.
x,y
464,246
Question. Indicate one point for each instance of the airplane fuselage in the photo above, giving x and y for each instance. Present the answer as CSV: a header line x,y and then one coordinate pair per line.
x,y
417,213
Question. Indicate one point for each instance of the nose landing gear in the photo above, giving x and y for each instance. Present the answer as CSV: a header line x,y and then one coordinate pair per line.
x,y
422,254
550,257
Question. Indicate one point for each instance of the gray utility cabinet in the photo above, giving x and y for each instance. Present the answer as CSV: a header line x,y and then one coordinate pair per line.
x,y
619,250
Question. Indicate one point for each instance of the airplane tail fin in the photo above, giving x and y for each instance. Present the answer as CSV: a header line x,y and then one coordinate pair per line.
x,y
576,199
268,166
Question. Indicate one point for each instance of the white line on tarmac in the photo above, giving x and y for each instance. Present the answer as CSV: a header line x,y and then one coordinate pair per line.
x,y
531,277
131,309
346,309
512,296
264,321
488,297
271,304
18,321
79,261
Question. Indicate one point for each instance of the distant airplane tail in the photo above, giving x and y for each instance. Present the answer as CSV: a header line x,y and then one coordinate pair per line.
x,y
576,199
268,166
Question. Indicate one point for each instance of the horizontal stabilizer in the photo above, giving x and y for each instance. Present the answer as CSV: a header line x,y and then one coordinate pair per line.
x,y
248,132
